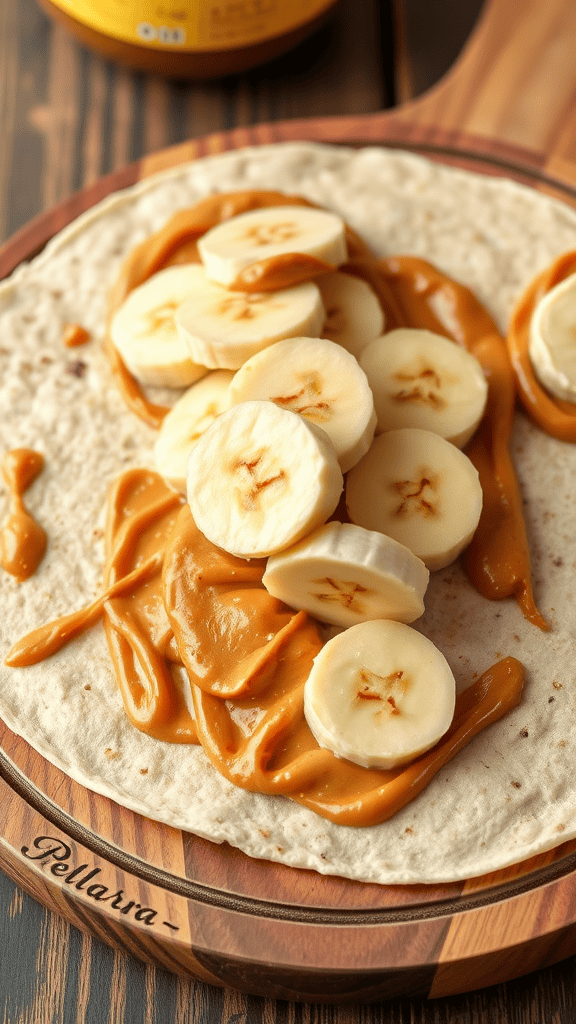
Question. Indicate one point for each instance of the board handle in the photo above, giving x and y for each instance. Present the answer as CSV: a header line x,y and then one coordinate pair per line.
x,y
511,93
515,80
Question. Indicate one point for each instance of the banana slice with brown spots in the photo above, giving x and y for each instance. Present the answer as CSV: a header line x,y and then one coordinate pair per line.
x,y
227,249
354,316
420,379
319,380
343,574
223,329
379,694
260,478
144,330
187,420
419,489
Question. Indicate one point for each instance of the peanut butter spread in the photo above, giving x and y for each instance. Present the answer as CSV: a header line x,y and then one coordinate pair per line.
x,y
174,599
22,540
247,657
174,602
74,335
553,415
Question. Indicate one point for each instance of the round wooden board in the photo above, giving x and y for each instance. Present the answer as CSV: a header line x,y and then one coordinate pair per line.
x,y
196,907
208,910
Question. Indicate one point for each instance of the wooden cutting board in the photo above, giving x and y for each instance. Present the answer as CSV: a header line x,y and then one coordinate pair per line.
x,y
508,107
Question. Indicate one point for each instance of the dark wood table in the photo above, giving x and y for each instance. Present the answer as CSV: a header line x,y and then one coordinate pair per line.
x,y
67,118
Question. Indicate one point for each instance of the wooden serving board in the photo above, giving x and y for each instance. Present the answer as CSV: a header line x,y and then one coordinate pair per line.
x,y
507,108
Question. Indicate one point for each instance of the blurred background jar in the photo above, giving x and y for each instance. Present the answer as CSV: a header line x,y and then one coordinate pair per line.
x,y
193,39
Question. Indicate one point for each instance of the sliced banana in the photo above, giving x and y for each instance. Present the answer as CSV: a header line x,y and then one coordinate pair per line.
x,y
379,694
145,334
260,478
354,316
552,345
187,420
343,574
229,247
420,379
420,489
319,380
222,329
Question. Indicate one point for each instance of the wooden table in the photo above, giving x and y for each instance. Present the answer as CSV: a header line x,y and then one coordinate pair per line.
x,y
67,118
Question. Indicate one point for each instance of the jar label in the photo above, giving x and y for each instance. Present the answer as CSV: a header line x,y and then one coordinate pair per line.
x,y
192,25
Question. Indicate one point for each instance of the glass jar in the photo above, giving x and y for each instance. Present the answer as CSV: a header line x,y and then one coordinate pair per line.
x,y
194,39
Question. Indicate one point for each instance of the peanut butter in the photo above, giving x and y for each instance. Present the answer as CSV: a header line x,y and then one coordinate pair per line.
x,y
141,514
22,540
247,657
173,601
173,598
553,415
74,335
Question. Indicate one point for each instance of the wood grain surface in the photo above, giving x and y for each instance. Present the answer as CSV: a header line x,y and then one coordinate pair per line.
x,y
68,117
91,118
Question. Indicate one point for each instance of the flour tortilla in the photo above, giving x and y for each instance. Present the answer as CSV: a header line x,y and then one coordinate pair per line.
x,y
512,792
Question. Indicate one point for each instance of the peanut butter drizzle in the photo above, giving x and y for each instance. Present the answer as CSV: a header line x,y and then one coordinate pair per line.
x,y
131,391
141,512
22,540
247,657
553,415
74,335
276,272
279,754
50,639
416,294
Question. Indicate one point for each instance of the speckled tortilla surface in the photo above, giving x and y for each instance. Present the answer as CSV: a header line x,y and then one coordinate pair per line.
x,y
512,792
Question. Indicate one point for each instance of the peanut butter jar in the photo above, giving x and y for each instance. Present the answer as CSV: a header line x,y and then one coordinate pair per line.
x,y
194,39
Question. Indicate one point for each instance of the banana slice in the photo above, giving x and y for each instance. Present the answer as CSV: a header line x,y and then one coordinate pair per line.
x,y
187,420
344,574
552,345
260,478
420,489
321,381
420,379
223,328
144,331
354,316
379,694
229,247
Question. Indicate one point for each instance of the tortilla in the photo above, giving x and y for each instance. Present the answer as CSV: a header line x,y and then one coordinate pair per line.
x,y
511,793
